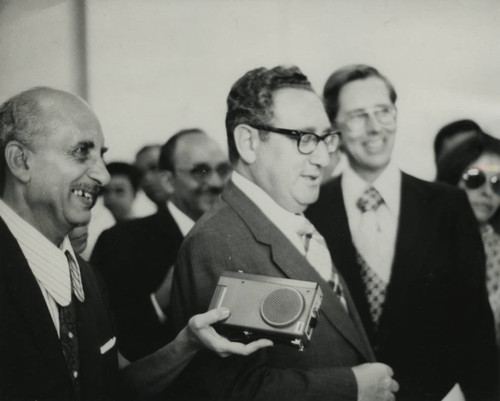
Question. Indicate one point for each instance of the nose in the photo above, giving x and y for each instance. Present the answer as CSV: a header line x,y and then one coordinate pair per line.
x,y
320,156
372,123
99,172
214,180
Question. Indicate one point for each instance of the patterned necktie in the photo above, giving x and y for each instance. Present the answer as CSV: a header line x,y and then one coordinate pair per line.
x,y
68,332
370,200
319,257
375,287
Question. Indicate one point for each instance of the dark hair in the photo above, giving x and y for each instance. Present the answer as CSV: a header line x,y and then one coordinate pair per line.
x,y
343,76
147,148
250,100
452,165
128,170
21,119
167,153
450,130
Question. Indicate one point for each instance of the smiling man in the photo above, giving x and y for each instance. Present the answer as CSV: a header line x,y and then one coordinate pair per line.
x,y
280,141
409,250
56,334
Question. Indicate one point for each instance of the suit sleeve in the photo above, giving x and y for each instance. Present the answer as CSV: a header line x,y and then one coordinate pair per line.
x,y
260,376
475,335
121,261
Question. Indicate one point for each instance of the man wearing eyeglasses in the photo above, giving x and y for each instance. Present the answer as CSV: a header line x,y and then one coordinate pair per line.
x,y
136,257
280,141
409,251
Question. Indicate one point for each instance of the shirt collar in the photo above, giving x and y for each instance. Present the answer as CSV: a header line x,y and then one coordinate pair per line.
x,y
48,262
388,185
282,218
183,221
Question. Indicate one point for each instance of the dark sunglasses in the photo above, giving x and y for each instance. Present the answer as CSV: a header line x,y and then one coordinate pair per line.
x,y
474,178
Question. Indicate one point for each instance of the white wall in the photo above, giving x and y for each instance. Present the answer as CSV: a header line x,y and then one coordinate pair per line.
x,y
156,66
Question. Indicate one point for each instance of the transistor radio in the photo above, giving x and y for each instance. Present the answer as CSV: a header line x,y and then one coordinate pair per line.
x,y
280,309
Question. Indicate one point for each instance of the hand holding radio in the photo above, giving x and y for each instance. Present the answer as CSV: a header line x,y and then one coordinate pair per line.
x,y
202,334
375,382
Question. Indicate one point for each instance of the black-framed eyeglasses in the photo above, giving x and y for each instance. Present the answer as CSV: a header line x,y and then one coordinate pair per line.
x,y
307,141
475,178
202,171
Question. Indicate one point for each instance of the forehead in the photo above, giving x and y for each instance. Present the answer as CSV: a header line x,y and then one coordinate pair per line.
x,y
299,109
363,93
489,162
197,148
150,155
66,127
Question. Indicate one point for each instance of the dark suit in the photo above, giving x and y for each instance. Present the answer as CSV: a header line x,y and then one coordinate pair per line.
x,y
436,325
32,364
134,258
240,237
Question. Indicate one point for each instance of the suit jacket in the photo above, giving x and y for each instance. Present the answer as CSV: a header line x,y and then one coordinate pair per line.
x,y
240,237
134,258
32,365
436,325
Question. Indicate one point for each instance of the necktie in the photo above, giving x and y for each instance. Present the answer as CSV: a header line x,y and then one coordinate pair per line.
x,y
319,257
370,200
375,287
68,333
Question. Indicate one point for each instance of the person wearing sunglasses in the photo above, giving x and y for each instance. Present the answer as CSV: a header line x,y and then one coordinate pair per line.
x,y
408,250
474,166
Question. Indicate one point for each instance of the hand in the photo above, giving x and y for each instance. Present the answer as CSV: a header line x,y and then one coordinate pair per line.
x,y
375,382
202,333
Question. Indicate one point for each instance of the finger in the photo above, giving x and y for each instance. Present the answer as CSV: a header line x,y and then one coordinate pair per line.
x,y
211,317
394,386
227,347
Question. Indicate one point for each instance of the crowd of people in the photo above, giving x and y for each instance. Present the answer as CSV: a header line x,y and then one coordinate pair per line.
x,y
409,269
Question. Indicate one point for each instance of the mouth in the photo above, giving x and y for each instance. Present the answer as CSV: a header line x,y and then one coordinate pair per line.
x,y
375,145
88,195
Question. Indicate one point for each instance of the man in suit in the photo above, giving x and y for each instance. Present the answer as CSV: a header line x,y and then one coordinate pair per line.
x,y
409,251
280,142
135,258
56,337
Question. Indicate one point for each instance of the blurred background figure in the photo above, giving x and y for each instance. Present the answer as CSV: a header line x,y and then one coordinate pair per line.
x,y
152,183
453,134
119,195
136,257
474,165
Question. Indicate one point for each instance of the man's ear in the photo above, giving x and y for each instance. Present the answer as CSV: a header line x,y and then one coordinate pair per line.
x,y
16,158
166,178
247,141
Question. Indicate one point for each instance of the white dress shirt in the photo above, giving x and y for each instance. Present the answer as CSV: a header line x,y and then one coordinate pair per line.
x,y
374,232
47,261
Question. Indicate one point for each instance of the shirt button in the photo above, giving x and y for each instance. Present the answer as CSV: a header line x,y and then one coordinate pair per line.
x,y
70,334
75,374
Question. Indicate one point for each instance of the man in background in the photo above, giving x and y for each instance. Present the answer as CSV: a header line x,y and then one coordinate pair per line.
x,y
409,250
135,258
280,141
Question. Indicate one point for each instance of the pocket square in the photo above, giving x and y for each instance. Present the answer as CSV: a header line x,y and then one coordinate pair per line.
x,y
110,344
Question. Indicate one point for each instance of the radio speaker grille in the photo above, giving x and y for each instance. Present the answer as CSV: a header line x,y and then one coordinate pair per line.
x,y
282,307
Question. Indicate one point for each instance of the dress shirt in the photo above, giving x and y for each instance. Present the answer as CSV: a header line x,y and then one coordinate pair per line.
x,y
183,221
382,247
48,262
281,218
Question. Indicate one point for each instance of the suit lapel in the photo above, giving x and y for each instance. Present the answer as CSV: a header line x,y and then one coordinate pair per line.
x,y
293,264
413,239
25,292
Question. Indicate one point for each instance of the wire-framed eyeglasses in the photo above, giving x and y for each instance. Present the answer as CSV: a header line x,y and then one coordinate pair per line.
x,y
307,142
